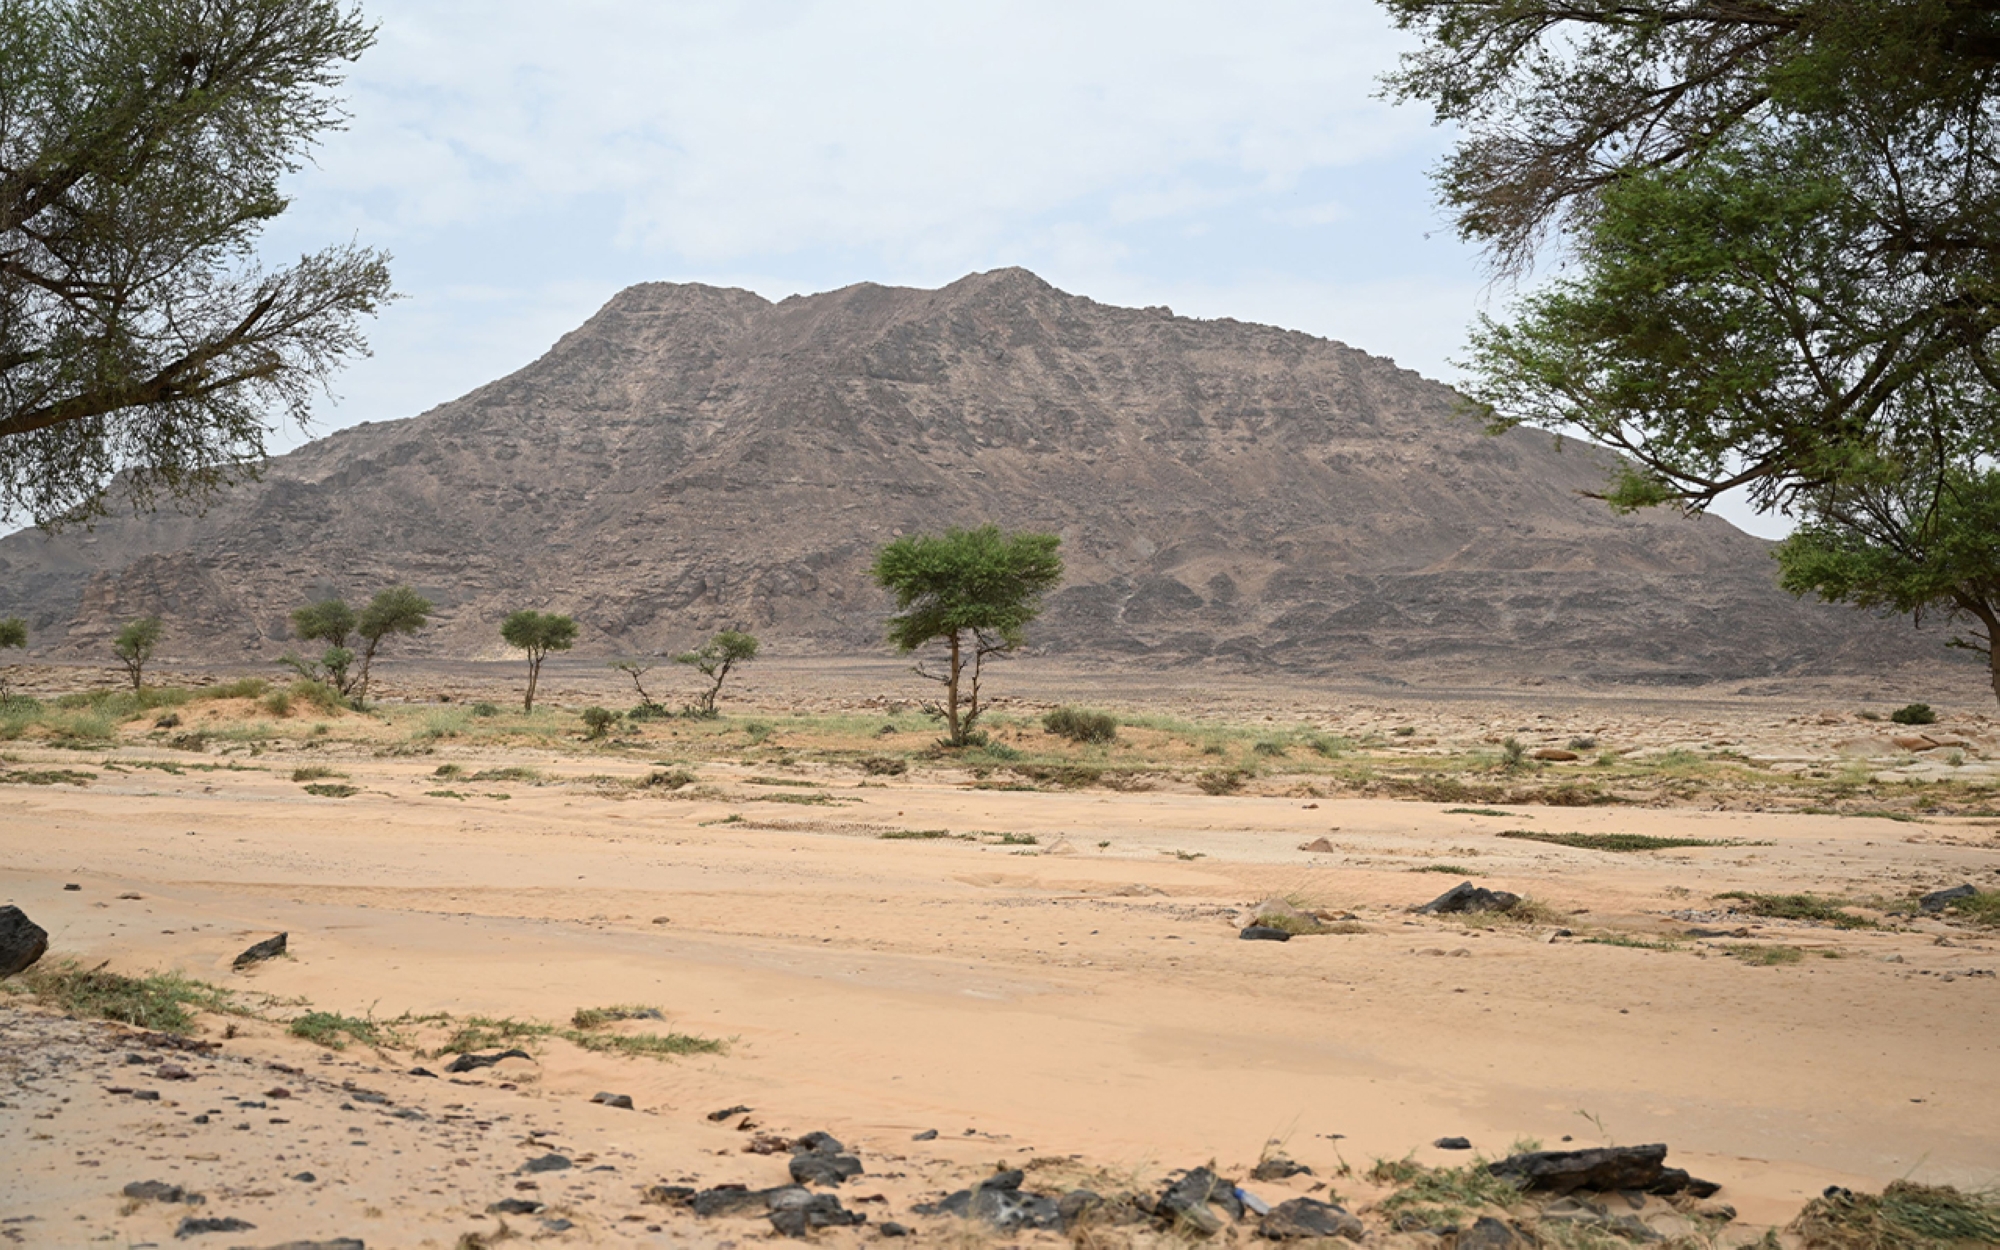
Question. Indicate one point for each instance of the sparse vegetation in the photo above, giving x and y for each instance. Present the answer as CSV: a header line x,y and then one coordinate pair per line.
x,y
1475,811
1079,725
597,722
1618,842
1982,908
1914,714
669,779
13,635
166,1001
334,1031
332,790
314,772
1810,907
884,765
1221,781
1904,1216
1440,1196
1765,956
44,777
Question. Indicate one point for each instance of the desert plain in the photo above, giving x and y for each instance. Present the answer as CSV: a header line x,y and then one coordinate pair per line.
x,y
957,964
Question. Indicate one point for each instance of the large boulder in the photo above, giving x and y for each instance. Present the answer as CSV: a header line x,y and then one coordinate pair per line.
x,y
22,941
1642,1168
1466,896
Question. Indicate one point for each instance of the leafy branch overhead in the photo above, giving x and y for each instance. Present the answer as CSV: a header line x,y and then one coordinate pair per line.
x,y
141,150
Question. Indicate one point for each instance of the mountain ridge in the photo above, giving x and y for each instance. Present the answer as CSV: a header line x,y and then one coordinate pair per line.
x,y
693,457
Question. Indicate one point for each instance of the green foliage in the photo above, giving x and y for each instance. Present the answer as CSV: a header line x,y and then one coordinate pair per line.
x,y
1982,908
1761,956
1079,725
1440,1196
315,772
484,709
884,765
44,777
1752,296
1914,714
1513,754
397,610
165,1001
597,722
1811,907
1221,781
975,591
537,633
134,645
636,669
332,790
329,621
713,660
146,144
13,632
334,1031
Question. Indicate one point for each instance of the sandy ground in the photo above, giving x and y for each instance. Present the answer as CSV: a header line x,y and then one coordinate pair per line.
x,y
1084,999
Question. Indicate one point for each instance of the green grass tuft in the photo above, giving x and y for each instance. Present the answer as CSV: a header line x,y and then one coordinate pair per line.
x,y
1761,956
44,777
315,772
1475,811
1811,907
332,790
1620,842
1905,1216
333,1030
165,1001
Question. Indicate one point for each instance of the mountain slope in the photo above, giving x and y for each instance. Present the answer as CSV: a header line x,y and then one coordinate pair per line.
x,y
693,458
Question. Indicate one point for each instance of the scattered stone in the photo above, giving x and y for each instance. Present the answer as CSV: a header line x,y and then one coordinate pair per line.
x,y
929,1134
668,1195
146,1095
768,1144
161,1191
1610,1168
1938,900
22,941
1263,933
1553,754
1319,846
304,1178
1277,1168
513,1206
735,1200
999,1201
1466,896
269,948
172,1072
1452,1143
890,1228
338,1243
546,1163
812,1168
794,1212
621,1101
278,1092
423,1072
129,897
193,1227
472,1063
1300,1219
820,1144
71,885
1488,1233
719,1116
1186,1201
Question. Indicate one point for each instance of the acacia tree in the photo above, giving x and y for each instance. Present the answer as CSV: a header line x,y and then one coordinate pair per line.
x,y
975,591
636,669
397,610
142,143
713,660
1910,540
1782,222
537,633
13,634
134,646
332,622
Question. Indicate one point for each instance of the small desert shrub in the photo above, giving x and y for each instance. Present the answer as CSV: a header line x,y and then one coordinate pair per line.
x,y
756,731
1436,1196
278,703
333,1030
913,835
448,770
1982,908
241,688
1330,748
1583,742
1270,748
1512,753
649,711
1906,1216
1914,714
598,1017
448,723
1219,781
1079,725
513,772
884,766
317,694
1067,776
314,772
166,1001
1765,956
484,710
597,721
1618,841
332,790
669,779
1811,907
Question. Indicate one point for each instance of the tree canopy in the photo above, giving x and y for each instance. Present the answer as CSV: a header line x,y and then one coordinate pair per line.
x,y
1780,221
141,147
134,645
973,590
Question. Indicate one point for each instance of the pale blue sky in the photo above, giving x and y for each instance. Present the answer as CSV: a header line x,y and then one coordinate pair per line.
x,y
524,161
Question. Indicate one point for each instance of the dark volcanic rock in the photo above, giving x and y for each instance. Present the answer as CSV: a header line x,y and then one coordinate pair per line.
x,y
269,948
1302,1218
1466,896
472,1063
194,1226
1452,1143
1642,1168
999,1201
161,1191
1263,933
726,1112
794,1212
818,1169
1488,1233
1277,1168
1938,900
725,1200
1383,531
547,1163
513,1206
22,941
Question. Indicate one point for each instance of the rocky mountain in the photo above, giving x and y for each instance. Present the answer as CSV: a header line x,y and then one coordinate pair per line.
x,y
693,458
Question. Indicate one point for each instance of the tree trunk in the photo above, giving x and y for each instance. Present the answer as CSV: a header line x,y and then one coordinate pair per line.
x,y
534,674
361,686
951,693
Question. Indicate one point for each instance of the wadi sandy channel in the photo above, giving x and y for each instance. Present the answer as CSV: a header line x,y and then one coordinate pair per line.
x,y
1083,1000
